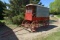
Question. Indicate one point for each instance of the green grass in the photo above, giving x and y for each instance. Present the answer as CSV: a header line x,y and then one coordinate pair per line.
x,y
58,16
54,36
9,24
6,21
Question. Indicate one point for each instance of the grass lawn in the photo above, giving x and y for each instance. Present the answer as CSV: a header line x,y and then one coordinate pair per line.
x,y
58,16
54,36
8,24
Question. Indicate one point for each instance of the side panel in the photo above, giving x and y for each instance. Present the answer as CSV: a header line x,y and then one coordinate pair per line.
x,y
42,11
40,18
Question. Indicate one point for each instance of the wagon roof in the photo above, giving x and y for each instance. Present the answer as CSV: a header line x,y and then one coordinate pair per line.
x,y
35,5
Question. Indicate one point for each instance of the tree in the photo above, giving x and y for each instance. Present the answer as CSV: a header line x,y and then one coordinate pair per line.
x,y
34,1
55,7
16,10
16,6
25,2
2,6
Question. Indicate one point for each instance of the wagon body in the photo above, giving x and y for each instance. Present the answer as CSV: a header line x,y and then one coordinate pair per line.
x,y
36,12
36,15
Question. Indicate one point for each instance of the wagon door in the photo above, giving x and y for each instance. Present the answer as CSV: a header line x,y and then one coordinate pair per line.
x,y
28,14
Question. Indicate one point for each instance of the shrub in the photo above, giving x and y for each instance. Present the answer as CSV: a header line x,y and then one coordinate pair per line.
x,y
17,19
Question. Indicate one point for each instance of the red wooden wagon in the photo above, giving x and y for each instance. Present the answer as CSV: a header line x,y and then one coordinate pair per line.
x,y
35,16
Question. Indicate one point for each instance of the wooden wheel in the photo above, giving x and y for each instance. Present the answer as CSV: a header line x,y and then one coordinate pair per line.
x,y
34,26
46,23
25,23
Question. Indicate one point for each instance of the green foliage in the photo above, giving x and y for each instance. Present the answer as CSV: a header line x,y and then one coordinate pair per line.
x,y
15,10
2,6
55,7
58,16
34,1
17,19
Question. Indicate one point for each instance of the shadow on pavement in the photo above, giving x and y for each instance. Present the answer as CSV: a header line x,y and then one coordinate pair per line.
x,y
6,33
40,29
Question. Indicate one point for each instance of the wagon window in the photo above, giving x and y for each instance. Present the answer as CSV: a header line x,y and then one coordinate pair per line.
x,y
34,11
28,9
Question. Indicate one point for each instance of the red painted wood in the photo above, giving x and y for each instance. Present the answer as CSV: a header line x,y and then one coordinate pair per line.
x,y
40,18
28,15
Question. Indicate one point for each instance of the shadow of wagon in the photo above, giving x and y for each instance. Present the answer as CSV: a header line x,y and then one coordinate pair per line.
x,y
40,29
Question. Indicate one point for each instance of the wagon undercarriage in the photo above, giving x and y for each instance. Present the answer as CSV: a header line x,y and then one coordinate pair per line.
x,y
34,25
